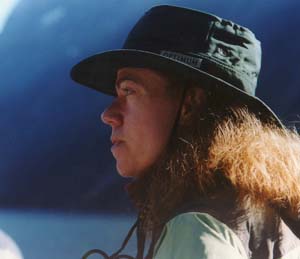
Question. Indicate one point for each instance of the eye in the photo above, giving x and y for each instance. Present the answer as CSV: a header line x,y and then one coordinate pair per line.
x,y
126,91
125,88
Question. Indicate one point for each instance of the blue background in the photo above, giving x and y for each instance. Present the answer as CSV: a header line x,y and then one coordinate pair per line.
x,y
54,150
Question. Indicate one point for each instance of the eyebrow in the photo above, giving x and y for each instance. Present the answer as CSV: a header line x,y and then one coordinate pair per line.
x,y
125,78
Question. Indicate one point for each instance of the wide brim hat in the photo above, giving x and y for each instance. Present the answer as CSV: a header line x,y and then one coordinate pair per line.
x,y
204,48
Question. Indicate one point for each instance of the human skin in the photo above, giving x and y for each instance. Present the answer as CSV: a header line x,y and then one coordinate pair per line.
x,y
141,118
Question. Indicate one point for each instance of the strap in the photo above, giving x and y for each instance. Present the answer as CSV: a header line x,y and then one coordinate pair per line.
x,y
155,236
130,232
95,251
175,125
116,254
141,239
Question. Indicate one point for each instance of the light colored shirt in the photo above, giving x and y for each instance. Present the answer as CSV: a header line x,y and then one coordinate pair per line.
x,y
198,235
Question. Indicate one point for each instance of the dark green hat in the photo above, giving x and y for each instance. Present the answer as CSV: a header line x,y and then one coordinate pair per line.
x,y
186,42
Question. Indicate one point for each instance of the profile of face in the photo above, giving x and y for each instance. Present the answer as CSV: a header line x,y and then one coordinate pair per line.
x,y
141,118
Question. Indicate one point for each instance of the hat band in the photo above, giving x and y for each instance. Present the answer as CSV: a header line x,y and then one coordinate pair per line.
x,y
192,61
214,68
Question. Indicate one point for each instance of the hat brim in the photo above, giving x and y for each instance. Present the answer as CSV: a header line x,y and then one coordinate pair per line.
x,y
99,72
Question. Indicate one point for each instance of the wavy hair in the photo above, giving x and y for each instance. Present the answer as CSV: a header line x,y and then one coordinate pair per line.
x,y
225,146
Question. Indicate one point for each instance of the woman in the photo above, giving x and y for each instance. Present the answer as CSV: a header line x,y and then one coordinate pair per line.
x,y
216,174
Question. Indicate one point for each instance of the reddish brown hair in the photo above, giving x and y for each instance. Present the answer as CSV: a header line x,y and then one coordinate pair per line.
x,y
225,145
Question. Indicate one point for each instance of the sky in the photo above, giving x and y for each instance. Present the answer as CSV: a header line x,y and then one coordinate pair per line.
x,y
6,9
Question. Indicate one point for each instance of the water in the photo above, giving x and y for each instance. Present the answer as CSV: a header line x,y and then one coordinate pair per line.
x,y
49,235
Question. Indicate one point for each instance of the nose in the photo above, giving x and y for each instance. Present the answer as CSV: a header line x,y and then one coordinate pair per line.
x,y
112,115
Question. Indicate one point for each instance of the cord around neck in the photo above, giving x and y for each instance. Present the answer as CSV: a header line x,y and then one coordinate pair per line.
x,y
117,254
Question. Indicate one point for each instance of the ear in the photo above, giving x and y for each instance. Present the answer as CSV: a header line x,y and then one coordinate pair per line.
x,y
195,101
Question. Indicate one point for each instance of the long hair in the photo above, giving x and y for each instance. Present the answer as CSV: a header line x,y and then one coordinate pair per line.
x,y
225,146
261,161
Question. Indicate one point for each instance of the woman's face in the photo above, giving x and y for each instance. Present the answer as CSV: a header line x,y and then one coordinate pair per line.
x,y
141,118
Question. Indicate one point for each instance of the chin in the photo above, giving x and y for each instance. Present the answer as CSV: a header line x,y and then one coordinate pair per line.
x,y
130,170
125,172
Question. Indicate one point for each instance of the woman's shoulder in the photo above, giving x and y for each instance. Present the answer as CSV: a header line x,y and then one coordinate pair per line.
x,y
202,224
196,234
197,219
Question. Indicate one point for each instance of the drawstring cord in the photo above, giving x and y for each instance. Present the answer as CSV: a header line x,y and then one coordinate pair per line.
x,y
140,242
175,125
95,251
113,256
116,254
141,238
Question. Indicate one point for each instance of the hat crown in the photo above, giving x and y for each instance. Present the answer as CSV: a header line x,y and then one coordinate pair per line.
x,y
206,42
219,54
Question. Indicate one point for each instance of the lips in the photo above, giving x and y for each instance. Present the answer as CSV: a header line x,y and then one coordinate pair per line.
x,y
116,142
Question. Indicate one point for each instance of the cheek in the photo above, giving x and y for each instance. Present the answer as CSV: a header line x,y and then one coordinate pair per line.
x,y
156,126
160,129
147,128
